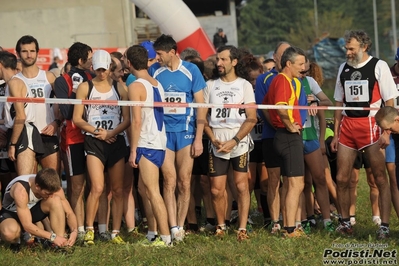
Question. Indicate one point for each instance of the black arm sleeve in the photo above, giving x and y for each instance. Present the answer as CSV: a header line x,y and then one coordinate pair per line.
x,y
61,91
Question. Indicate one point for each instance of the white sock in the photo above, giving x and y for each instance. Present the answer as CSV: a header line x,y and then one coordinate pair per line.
x,y
167,239
114,233
102,228
89,228
81,228
174,230
377,220
151,235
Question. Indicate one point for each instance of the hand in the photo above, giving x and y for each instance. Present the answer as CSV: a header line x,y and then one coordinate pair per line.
x,y
11,153
227,146
384,141
132,159
50,129
60,241
312,111
72,238
334,144
296,128
197,148
105,135
217,143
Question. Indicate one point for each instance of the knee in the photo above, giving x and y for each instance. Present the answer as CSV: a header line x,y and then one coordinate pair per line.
x,y
117,193
10,233
217,193
96,189
184,186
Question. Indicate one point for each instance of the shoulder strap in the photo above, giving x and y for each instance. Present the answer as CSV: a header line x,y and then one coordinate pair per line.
x,y
115,85
90,88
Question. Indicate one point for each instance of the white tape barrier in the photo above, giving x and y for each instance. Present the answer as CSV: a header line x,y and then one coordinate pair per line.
x,y
167,104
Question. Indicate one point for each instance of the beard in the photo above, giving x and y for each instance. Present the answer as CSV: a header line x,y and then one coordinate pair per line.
x,y
29,63
222,71
355,60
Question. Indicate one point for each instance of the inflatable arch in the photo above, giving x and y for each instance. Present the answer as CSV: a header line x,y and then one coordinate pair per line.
x,y
175,18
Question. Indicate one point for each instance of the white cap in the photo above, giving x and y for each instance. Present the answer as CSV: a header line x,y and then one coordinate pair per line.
x,y
101,59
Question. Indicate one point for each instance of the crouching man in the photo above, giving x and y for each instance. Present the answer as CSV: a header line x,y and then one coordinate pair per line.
x,y
29,199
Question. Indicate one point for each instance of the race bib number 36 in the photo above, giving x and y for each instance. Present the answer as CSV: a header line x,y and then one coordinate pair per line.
x,y
357,91
175,97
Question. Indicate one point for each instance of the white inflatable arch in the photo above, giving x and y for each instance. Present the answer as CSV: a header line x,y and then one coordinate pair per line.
x,y
175,18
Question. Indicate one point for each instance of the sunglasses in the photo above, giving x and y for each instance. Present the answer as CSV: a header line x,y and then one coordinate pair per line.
x,y
304,72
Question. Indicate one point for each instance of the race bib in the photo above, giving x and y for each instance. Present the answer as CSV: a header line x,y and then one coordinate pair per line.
x,y
106,123
175,97
396,102
220,114
256,132
357,91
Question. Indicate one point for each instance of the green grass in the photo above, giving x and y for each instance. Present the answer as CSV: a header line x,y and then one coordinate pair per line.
x,y
203,249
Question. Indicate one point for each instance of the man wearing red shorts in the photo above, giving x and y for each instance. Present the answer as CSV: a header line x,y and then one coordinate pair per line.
x,y
363,81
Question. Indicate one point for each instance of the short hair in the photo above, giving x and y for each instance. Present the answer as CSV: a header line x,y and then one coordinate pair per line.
x,y
189,52
117,54
386,113
137,56
165,43
26,39
360,36
78,51
290,54
234,52
196,60
48,179
8,60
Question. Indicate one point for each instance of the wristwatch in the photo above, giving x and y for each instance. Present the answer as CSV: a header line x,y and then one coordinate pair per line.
x,y
12,144
52,237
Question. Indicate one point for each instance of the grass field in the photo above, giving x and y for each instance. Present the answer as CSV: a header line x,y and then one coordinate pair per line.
x,y
202,249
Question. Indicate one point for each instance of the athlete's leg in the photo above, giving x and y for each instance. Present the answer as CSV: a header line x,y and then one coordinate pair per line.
x,y
26,163
184,167
169,186
116,175
95,169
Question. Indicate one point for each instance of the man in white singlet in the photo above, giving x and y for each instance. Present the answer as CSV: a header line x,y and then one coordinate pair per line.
x,y
104,143
147,134
31,198
39,84
228,130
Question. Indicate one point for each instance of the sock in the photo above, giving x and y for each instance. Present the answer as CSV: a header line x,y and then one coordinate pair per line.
x,y
376,220
211,221
222,226
174,230
167,239
312,220
102,228
289,229
81,228
352,219
114,233
89,228
326,221
300,223
129,230
193,227
385,225
239,229
151,235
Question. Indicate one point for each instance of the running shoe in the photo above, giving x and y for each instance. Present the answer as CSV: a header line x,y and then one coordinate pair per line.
x,y
298,232
306,227
104,236
383,232
118,240
220,232
329,227
344,229
89,238
242,235
276,228
179,235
